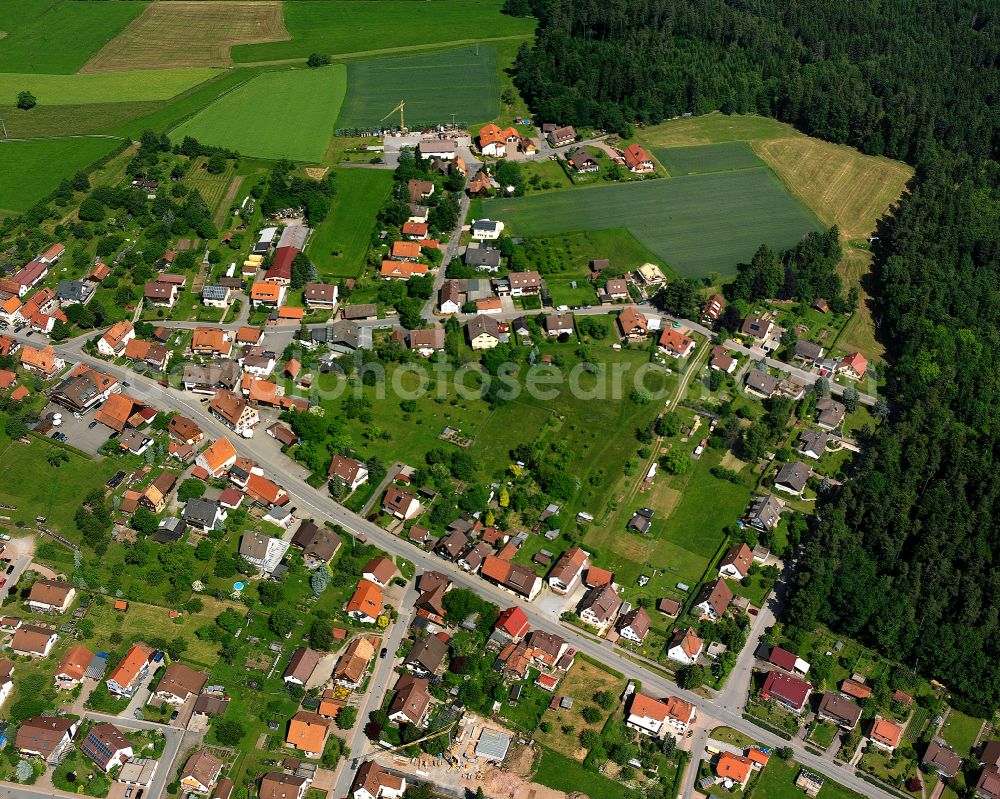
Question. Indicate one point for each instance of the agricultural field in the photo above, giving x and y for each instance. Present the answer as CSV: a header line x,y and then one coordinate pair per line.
x,y
434,87
32,169
699,159
253,119
68,120
859,332
356,27
212,188
189,34
837,183
113,87
59,35
698,224
340,243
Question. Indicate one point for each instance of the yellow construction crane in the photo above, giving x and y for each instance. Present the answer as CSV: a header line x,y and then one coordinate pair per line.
x,y
443,731
402,120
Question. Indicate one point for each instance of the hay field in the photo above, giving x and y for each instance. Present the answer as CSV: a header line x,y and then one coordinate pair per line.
x,y
287,114
109,87
435,86
59,35
337,27
698,224
702,158
840,185
859,333
190,34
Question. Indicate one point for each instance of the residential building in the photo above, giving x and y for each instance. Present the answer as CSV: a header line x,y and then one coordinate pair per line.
x,y
215,296
373,782
132,670
676,344
426,655
301,666
411,703
513,623
352,665
638,160
582,161
483,332
813,443
450,297
557,324
41,362
831,413
807,351
600,605
233,411
721,360
524,283
483,259
352,473
307,732
634,625
276,785
427,341
885,733
51,596
33,641
107,747
789,691
204,514
765,512
565,575
736,562
47,737
941,758
792,478
735,768
73,667
267,294
757,328
853,366
179,683
366,604
633,324
647,715
401,503
161,294
561,136
380,571
201,772
713,309
209,378
839,710
218,458
115,339
486,229
513,576
714,598
318,543
320,295
685,647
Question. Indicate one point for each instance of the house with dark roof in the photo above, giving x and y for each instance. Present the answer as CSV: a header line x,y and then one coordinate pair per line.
x,y
634,625
426,655
941,758
107,747
714,598
600,605
839,710
765,512
761,384
792,478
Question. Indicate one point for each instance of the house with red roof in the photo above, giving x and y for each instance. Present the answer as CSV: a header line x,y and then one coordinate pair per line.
x,y
513,622
676,344
638,160
853,366
789,691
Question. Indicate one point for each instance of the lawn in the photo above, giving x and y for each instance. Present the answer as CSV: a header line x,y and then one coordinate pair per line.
x,y
112,87
559,772
340,242
254,118
698,224
358,26
58,35
823,734
44,490
777,781
699,159
189,34
839,184
460,85
960,731
581,683
32,169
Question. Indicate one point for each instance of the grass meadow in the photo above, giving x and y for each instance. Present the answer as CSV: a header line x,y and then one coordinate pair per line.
x,y
110,87
286,114
340,243
68,120
340,27
31,169
461,82
59,35
698,224
777,781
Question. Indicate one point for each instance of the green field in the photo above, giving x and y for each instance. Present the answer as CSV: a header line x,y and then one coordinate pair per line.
x,y
68,120
707,158
698,224
31,169
103,87
460,82
777,781
353,26
275,115
59,35
340,243
960,731
560,772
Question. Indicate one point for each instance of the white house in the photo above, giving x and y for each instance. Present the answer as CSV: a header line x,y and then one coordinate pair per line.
x,y
352,473
647,715
486,229
374,782
115,339
685,647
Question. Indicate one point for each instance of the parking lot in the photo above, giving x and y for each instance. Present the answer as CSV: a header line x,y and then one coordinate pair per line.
x,y
78,432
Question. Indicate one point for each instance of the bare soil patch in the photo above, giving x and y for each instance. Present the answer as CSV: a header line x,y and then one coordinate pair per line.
x,y
190,34
317,172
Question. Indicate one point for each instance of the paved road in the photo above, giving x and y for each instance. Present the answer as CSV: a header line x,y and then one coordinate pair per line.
x,y
380,682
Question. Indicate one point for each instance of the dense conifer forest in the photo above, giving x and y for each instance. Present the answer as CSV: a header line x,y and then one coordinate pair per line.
x,y
906,556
